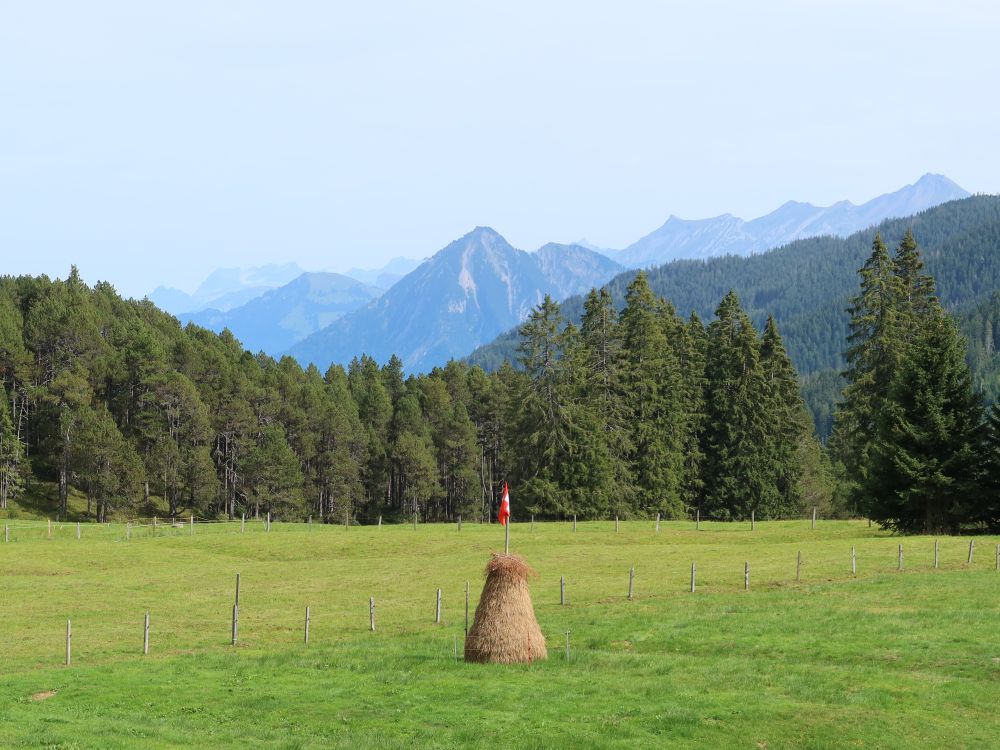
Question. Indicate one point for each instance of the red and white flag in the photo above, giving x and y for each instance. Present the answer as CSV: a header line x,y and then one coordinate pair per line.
x,y
504,513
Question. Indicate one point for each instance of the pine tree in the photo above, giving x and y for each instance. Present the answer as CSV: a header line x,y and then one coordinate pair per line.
x,y
11,455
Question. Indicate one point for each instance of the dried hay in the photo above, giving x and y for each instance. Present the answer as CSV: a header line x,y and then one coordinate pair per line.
x,y
505,630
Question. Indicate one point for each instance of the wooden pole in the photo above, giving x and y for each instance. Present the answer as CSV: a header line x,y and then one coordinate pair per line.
x,y
466,609
268,521
77,529
574,522
506,536
562,590
50,528
310,523
380,522
746,576
616,523
567,645
154,525
414,520
347,518
854,562
697,519
456,647
69,640
145,635
532,523
814,517
237,600
753,521
371,613
306,635
192,525
459,521
236,623
631,581
437,610
972,548
935,554
657,523
6,533
798,565
243,523
693,572
899,563
128,531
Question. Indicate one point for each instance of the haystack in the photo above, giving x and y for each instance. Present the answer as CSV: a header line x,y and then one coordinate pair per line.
x,y
505,630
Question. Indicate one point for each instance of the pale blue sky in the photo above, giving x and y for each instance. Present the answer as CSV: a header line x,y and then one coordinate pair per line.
x,y
151,142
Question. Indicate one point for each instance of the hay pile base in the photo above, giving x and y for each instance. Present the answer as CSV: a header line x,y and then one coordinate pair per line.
x,y
505,630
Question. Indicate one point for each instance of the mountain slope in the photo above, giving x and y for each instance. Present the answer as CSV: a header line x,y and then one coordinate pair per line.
x,y
728,234
806,284
466,294
280,317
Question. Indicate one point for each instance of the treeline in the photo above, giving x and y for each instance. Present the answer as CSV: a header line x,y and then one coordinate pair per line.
x,y
915,447
631,413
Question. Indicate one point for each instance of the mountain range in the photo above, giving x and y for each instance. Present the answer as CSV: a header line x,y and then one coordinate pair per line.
x,y
225,288
463,296
730,235
279,317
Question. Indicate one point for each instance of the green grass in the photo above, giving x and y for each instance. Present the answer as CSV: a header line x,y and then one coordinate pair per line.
x,y
886,659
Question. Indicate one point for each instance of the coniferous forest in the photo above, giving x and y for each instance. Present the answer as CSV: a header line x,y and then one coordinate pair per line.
x,y
632,413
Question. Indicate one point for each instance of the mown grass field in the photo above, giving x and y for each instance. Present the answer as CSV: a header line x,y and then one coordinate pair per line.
x,y
886,659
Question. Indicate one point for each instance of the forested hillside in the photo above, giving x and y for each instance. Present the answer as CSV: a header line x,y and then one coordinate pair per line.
x,y
112,398
806,286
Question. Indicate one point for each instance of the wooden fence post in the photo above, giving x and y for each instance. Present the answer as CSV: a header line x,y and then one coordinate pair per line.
x,y
243,523
746,576
414,520
237,600
631,581
69,640
562,590
310,523
145,635
437,610
567,645
236,623
128,531
657,523
459,521
935,554
50,528
77,529
753,521
798,565
574,522
697,519
371,613
307,625
380,522
814,517
268,527
854,562
972,548
616,523
693,571
899,563
6,533
532,523
466,609
192,525
154,525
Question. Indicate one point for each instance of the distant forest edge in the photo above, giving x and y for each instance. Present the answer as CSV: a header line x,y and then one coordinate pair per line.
x,y
635,414
806,285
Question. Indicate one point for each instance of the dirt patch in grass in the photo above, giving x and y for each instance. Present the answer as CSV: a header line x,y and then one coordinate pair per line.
x,y
44,695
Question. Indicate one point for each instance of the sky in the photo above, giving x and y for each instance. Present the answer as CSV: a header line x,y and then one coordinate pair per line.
x,y
152,142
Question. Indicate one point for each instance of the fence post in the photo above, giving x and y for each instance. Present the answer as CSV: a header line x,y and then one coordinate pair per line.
x,y
693,571
814,517
237,600
574,522
154,525
798,565
380,522
50,528
459,521
972,548
631,581
532,523
697,519
6,533
657,523
466,609
236,623
69,640
371,613
268,521
437,610
899,564
128,531
746,576
310,523
616,523
562,590
77,529
414,520
243,523
567,645
145,635
854,562
935,554
192,525
307,625
753,521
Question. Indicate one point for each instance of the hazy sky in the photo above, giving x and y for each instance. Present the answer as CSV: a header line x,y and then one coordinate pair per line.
x,y
151,142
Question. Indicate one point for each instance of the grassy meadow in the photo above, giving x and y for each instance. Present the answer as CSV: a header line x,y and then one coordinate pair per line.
x,y
883,659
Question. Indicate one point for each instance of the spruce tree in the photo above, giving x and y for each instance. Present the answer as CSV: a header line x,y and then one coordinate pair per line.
x,y
926,458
